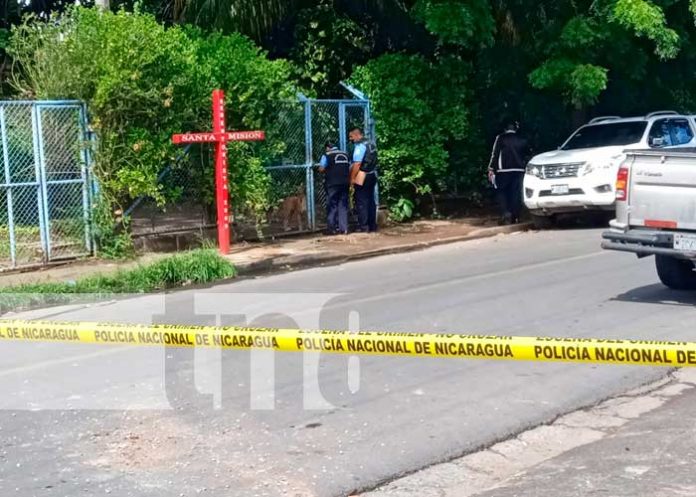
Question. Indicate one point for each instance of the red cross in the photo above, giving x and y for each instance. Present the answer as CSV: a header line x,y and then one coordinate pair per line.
x,y
220,137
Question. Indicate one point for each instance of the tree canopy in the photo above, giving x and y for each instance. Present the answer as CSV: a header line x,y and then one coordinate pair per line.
x,y
442,74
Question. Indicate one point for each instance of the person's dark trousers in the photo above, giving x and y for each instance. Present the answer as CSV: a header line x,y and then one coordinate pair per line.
x,y
509,195
337,208
365,204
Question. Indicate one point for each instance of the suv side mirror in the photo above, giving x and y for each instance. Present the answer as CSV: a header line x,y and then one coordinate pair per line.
x,y
657,141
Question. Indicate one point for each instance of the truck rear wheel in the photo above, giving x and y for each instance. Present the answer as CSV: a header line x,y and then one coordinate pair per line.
x,y
676,274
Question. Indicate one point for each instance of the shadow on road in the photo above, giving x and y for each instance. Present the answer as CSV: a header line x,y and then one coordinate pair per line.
x,y
658,294
578,221
586,220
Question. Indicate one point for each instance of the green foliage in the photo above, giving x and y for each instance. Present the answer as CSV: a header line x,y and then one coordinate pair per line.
x,y
581,33
441,74
401,210
21,232
466,23
4,38
647,19
552,74
581,84
594,44
253,17
187,268
421,107
586,82
110,231
143,82
327,45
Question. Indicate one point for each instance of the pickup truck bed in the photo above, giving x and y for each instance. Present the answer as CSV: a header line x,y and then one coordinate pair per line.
x,y
656,212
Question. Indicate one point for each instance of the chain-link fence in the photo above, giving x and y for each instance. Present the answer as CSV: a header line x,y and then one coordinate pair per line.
x,y
45,183
295,195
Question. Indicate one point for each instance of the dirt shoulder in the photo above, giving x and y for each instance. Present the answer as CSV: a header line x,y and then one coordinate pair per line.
x,y
252,259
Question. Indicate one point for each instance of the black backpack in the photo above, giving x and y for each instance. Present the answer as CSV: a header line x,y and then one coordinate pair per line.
x,y
369,163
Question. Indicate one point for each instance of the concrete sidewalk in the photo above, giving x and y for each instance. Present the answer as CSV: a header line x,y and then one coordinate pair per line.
x,y
653,454
320,250
642,443
285,254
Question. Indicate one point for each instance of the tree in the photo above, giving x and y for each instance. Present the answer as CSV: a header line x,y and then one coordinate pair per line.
x,y
579,58
551,63
149,82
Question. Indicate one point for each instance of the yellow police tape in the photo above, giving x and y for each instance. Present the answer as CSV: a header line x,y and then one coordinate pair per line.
x,y
642,352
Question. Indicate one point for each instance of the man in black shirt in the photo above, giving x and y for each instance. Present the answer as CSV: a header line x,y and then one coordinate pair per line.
x,y
336,168
506,171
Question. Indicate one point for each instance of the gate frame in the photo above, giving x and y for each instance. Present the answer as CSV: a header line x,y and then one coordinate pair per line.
x,y
41,181
359,100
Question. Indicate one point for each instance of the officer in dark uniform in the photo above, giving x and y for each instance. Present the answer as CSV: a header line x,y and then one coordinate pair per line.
x,y
364,170
506,171
336,168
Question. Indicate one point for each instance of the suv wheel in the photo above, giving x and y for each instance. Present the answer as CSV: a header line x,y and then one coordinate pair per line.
x,y
676,274
543,222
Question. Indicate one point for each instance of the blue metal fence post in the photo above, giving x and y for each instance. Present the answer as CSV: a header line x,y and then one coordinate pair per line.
x,y
342,132
372,135
310,198
370,122
41,192
309,165
8,189
83,140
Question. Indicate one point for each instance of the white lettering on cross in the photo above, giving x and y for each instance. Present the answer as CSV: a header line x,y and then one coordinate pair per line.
x,y
220,137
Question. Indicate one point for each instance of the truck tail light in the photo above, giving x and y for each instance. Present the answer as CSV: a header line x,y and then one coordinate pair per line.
x,y
622,184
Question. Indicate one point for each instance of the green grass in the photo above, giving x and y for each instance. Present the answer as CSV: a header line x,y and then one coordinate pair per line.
x,y
67,231
188,268
23,235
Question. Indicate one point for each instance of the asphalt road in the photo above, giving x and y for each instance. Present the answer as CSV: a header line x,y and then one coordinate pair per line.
x,y
86,420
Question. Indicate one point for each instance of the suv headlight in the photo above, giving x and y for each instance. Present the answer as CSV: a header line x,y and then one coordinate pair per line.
x,y
533,170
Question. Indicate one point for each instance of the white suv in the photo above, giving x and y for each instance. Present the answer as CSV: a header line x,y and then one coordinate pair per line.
x,y
580,175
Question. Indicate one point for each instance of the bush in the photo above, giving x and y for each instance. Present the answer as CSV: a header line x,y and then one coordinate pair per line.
x,y
143,82
327,46
194,267
423,109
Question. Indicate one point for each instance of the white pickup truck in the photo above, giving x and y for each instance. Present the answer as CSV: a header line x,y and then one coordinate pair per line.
x,y
656,213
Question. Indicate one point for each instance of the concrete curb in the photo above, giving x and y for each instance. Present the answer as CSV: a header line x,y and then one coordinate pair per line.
x,y
292,263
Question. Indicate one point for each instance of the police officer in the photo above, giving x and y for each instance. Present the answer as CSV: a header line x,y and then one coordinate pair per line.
x,y
506,171
364,180
336,168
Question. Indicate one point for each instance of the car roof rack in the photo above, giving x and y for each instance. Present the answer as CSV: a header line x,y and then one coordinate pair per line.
x,y
603,118
662,113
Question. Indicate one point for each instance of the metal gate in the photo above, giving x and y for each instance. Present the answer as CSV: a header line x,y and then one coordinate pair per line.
x,y
295,137
44,192
306,128
332,120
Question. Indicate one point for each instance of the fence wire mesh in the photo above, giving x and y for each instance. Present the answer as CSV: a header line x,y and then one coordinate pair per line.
x,y
288,209
294,198
44,194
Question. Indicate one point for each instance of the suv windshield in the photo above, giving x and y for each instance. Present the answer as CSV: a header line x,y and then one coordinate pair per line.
x,y
606,135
